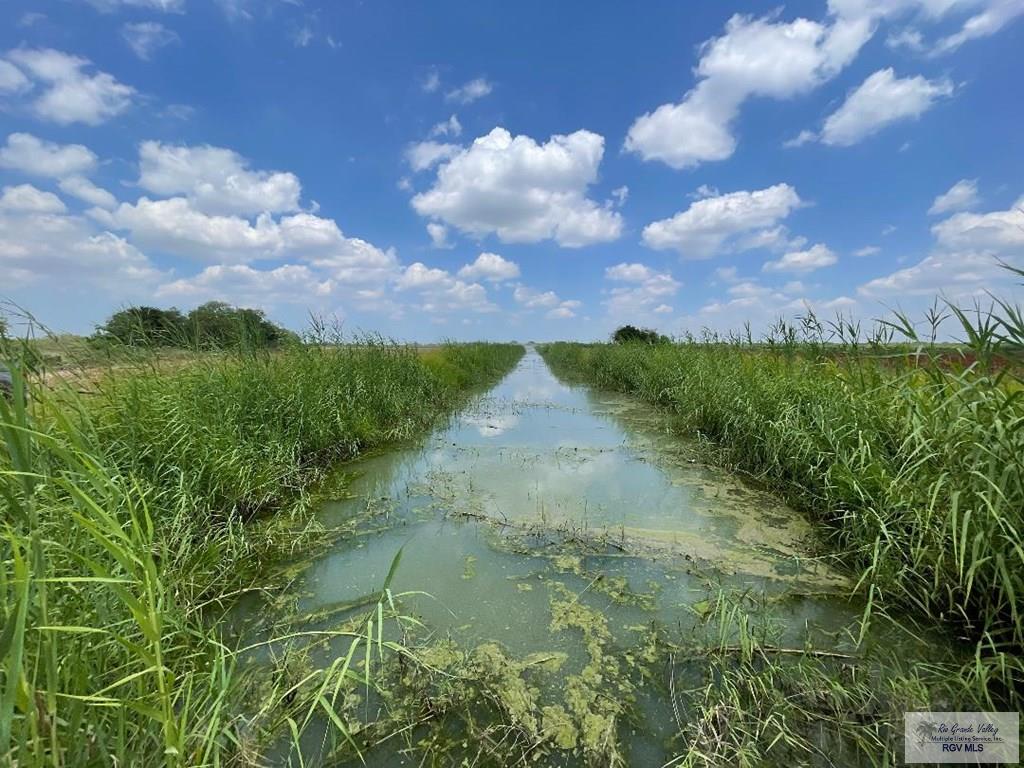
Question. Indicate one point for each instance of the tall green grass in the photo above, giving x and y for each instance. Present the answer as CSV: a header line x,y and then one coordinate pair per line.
x,y
128,523
911,456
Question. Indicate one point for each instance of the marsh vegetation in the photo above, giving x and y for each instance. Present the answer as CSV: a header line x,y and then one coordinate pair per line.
x,y
701,552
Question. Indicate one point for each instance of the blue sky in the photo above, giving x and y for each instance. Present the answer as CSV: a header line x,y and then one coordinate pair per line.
x,y
509,170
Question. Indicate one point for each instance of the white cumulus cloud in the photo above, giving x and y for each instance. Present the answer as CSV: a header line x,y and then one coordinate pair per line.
x,y
882,99
438,235
815,257
215,179
70,92
557,307
65,251
11,78
240,283
523,191
644,291
440,293
33,156
769,58
713,224
959,197
966,259
26,198
490,267
424,155
755,57
86,191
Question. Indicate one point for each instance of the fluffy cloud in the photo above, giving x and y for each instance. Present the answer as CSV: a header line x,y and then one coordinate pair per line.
x,y
779,60
419,275
438,235
755,57
440,293
988,17
959,197
40,243
490,267
815,257
147,37
450,127
953,274
749,289
997,232
644,290
533,299
86,191
713,224
215,180
67,252
965,261
175,226
424,155
564,311
523,191
36,157
353,261
910,39
240,283
27,198
557,308
470,92
629,273
996,15
804,137
71,94
880,100
11,78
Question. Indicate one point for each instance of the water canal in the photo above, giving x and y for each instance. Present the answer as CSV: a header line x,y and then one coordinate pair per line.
x,y
555,542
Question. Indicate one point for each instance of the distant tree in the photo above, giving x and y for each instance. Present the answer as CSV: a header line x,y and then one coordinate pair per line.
x,y
214,325
219,325
630,333
146,326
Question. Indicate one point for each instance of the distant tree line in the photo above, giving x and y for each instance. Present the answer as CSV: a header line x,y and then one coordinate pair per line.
x,y
630,333
214,325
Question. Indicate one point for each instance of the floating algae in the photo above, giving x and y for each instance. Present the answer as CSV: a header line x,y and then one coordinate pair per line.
x,y
569,546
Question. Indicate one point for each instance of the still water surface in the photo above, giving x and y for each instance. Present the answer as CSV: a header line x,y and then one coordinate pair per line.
x,y
539,490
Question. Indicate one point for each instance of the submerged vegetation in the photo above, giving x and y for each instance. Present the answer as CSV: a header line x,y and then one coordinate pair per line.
x,y
910,456
135,512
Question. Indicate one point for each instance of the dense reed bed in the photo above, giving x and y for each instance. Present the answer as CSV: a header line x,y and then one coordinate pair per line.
x,y
910,456
134,513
